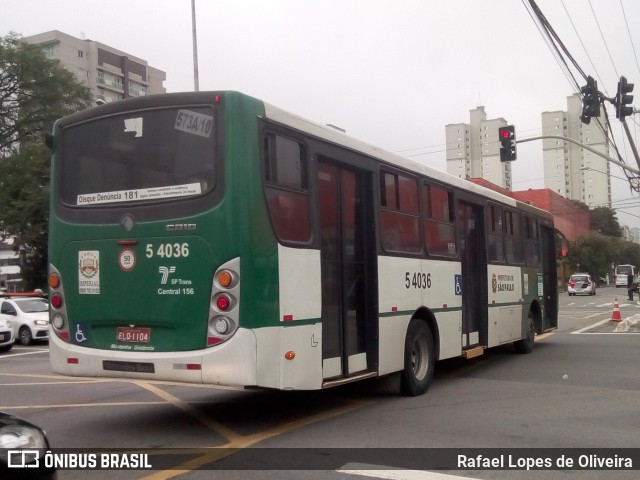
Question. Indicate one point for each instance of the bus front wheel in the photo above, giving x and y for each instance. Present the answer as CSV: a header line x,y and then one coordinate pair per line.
x,y
419,359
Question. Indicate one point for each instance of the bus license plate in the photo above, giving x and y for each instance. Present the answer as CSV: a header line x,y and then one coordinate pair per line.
x,y
134,335
136,367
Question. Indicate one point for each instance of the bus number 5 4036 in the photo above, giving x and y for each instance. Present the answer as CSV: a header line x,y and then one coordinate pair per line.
x,y
168,250
417,280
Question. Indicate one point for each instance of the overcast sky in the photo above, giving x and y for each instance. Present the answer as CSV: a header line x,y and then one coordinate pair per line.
x,y
390,72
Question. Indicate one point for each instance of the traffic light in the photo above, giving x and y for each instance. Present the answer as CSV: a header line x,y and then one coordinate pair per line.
x,y
623,99
507,136
590,101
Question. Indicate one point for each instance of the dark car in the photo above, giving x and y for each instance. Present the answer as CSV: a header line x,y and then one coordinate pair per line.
x,y
22,446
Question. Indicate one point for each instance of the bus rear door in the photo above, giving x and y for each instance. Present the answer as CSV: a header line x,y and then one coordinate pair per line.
x,y
348,271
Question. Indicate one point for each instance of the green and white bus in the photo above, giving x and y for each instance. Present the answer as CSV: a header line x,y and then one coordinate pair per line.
x,y
210,237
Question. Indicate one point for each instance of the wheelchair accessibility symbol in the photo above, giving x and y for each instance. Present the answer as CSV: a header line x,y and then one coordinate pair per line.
x,y
81,328
458,284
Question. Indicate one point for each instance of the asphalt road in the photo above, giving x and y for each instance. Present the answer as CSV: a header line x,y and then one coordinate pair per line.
x,y
579,389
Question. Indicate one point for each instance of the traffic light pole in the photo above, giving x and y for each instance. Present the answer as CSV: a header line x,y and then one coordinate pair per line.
x,y
633,145
587,147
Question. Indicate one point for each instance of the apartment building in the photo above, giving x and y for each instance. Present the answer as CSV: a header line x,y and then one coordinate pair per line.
x,y
570,170
109,73
10,278
473,149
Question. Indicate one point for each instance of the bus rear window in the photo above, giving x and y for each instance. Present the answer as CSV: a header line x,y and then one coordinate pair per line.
x,y
154,155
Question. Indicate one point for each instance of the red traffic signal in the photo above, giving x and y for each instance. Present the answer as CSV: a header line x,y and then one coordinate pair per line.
x,y
507,137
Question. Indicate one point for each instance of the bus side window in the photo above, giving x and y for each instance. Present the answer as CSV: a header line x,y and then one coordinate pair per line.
x,y
439,230
285,176
399,213
531,241
494,234
513,240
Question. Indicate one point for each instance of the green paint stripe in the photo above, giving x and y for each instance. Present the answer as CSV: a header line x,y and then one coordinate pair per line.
x,y
400,313
411,312
450,309
303,321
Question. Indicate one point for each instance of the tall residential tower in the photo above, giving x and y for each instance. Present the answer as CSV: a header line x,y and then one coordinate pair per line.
x,y
109,73
571,171
473,149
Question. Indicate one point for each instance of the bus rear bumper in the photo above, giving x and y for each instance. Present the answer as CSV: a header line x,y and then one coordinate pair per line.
x,y
231,363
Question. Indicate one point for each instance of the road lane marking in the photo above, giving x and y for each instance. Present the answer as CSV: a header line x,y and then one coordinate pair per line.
x,y
542,336
390,473
31,352
75,405
246,441
597,324
190,410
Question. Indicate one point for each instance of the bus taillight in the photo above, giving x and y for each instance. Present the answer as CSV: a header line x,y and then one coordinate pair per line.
x,y
224,306
221,325
54,280
226,278
223,302
58,314
56,301
58,321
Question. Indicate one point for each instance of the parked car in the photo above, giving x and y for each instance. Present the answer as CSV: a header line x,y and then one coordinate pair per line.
x,y
28,314
22,445
581,284
6,335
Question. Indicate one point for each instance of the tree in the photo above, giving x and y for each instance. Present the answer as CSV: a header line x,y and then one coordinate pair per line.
x,y
34,92
593,253
604,220
629,253
24,196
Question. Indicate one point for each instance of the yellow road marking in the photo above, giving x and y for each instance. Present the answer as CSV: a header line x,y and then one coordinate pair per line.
x,y
62,377
543,336
190,410
75,405
248,440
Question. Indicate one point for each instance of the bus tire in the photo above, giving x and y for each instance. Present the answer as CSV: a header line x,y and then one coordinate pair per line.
x,y
419,359
526,344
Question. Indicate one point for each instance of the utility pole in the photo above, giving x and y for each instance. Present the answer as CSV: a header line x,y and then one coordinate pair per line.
x,y
586,147
196,86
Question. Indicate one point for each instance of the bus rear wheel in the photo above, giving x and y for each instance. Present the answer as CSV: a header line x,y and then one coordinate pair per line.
x,y
419,359
526,344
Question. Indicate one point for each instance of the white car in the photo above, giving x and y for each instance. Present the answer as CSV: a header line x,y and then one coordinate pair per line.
x,y
581,284
6,335
29,317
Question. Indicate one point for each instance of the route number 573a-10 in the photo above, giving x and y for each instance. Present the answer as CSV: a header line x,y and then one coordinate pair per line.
x,y
168,250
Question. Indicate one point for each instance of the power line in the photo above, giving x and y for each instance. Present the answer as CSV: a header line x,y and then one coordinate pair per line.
x,y
535,14
635,55
582,43
603,40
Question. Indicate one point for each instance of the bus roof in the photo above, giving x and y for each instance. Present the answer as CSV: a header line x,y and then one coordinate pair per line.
x,y
336,136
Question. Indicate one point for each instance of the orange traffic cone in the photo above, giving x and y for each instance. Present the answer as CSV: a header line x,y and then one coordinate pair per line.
x,y
615,316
